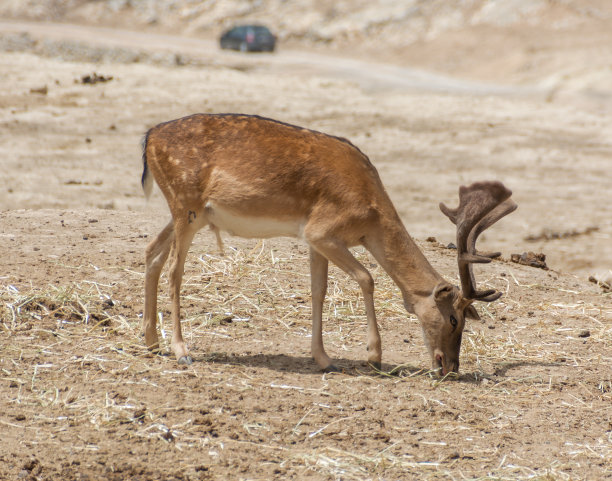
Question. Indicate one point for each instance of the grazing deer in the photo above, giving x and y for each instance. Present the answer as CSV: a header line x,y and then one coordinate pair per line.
x,y
257,178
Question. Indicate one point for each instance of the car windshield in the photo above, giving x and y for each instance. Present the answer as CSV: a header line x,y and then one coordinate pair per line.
x,y
260,31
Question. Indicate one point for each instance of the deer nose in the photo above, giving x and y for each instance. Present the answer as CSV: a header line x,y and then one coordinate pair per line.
x,y
438,364
444,366
453,366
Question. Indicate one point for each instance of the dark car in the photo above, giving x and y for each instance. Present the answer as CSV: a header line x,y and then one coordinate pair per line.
x,y
249,38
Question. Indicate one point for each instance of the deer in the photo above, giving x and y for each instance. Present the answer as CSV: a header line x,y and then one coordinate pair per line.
x,y
256,177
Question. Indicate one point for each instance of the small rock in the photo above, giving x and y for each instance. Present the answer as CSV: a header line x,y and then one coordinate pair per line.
x,y
94,78
603,280
530,259
31,464
139,415
584,333
40,90
108,303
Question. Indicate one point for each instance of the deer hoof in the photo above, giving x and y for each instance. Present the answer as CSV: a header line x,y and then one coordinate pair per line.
x,y
186,360
377,366
331,368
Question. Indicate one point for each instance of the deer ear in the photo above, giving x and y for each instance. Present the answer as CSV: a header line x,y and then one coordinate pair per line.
x,y
443,291
470,312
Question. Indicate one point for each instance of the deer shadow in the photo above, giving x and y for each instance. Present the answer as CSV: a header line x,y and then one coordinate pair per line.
x,y
305,365
503,368
291,364
284,363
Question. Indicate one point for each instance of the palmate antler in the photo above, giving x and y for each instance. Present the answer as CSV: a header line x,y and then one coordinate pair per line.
x,y
480,206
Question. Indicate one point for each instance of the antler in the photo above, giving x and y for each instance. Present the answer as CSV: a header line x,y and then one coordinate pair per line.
x,y
480,206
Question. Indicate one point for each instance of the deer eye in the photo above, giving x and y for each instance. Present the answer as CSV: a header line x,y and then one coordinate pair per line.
x,y
453,321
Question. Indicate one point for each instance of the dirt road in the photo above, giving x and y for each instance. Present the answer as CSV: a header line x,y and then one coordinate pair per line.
x,y
374,76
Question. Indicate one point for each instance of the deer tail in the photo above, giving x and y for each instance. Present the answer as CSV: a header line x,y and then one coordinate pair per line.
x,y
147,179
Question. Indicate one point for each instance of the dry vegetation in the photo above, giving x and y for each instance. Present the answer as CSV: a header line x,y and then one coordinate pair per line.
x,y
82,396
82,399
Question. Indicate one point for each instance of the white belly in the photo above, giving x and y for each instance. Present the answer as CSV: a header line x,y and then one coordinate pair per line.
x,y
252,227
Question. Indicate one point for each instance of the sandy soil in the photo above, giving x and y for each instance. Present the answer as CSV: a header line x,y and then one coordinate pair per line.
x,y
82,399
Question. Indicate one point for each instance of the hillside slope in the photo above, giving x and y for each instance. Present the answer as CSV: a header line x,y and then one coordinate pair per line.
x,y
509,41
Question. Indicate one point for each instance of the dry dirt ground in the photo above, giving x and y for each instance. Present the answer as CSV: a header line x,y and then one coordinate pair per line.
x,y
82,399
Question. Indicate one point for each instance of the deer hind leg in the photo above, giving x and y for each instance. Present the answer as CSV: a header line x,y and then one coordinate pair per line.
x,y
155,258
184,233
217,233
318,282
338,253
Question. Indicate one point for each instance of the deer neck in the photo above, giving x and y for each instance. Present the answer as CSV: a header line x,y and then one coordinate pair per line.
x,y
401,258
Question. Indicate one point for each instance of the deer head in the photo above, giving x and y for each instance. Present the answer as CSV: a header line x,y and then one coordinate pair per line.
x,y
480,206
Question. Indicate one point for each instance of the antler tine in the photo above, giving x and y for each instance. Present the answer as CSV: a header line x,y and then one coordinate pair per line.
x,y
480,206
502,210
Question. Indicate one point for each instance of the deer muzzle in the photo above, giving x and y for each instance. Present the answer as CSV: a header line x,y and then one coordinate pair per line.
x,y
443,366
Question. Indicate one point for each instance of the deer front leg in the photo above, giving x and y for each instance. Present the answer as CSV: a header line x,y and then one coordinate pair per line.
x,y
374,341
339,254
155,258
318,282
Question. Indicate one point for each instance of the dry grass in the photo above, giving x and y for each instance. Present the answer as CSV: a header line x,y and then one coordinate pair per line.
x,y
77,379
